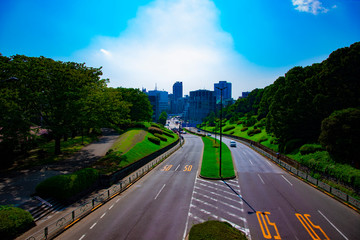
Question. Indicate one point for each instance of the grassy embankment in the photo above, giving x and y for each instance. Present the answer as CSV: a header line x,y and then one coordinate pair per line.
x,y
132,146
318,160
215,230
211,160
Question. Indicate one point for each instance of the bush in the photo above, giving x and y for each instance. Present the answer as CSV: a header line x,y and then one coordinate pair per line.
x,y
156,125
291,145
215,230
162,138
154,130
14,221
154,139
63,187
263,139
253,132
228,128
310,148
169,134
244,129
239,122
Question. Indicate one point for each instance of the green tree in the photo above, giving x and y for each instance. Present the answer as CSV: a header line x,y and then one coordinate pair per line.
x,y
340,133
162,118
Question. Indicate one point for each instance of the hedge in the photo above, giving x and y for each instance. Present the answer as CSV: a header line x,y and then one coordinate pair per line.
x,y
310,148
154,130
162,138
244,129
154,139
253,132
14,221
169,134
64,187
228,128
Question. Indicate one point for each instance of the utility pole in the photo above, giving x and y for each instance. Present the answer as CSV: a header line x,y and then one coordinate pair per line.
x,y
221,89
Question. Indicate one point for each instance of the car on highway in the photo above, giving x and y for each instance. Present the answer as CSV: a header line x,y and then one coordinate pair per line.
x,y
209,134
232,143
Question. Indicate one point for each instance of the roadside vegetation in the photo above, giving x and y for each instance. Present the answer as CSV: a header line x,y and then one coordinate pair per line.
x,y
211,160
14,221
215,230
134,145
310,114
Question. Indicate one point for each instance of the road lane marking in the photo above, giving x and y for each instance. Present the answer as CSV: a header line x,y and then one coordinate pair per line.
x,y
111,207
160,191
117,200
269,163
245,230
187,168
92,226
286,180
103,215
177,167
309,226
166,168
82,237
333,225
261,179
264,225
251,162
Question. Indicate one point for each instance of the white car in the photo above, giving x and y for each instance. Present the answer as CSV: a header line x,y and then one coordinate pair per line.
x,y
232,144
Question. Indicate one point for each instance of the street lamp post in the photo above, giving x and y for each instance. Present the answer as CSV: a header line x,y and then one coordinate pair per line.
x,y
221,89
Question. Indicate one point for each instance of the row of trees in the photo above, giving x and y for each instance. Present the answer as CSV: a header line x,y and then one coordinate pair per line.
x,y
62,97
305,103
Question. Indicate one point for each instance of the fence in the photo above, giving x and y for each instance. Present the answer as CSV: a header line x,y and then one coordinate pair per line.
x,y
296,168
67,220
299,170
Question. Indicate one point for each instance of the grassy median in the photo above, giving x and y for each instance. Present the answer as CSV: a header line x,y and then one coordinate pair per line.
x,y
211,160
215,230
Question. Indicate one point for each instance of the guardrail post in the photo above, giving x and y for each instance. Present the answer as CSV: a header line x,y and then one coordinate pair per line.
x,y
73,215
108,193
46,232
93,202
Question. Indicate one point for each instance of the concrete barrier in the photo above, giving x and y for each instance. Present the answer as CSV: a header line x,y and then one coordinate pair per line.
x,y
312,180
324,186
339,194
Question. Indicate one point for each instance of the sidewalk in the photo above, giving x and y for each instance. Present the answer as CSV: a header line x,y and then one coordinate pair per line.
x,y
16,187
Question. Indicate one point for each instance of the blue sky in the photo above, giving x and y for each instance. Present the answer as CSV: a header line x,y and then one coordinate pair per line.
x,y
199,42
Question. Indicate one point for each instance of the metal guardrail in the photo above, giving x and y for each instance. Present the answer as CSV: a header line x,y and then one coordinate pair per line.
x,y
345,197
297,169
64,222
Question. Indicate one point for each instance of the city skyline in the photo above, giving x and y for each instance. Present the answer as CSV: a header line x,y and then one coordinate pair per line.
x,y
198,43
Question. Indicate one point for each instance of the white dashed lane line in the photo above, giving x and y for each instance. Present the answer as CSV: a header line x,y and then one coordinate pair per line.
x,y
103,215
286,180
82,237
92,226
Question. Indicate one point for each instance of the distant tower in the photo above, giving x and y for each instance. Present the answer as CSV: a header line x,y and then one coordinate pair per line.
x,y
178,90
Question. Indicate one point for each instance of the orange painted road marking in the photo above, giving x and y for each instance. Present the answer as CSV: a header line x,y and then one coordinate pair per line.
x,y
187,168
167,168
264,225
309,226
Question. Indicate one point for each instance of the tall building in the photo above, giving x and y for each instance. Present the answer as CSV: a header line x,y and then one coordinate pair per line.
x,y
201,103
159,102
178,90
226,92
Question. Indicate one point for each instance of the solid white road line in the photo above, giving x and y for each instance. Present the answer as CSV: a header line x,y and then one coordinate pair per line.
x,y
333,225
160,191
286,180
261,179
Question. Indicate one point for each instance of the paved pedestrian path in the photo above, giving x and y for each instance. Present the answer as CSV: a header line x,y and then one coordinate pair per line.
x,y
16,187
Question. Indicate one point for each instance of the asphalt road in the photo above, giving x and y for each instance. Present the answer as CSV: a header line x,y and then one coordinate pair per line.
x,y
156,207
280,206
263,201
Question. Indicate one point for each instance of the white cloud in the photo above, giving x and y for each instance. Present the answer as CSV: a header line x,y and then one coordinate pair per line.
x,y
310,6
171,41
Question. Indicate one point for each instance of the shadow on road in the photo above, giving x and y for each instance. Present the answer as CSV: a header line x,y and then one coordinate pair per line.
x,y
249,212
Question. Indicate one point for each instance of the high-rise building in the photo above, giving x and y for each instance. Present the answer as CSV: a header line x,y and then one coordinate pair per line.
x,y
201,103
159,102
226,92
178,90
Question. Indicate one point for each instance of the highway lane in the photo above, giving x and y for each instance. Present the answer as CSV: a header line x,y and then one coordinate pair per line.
x,y
155,207
280,206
